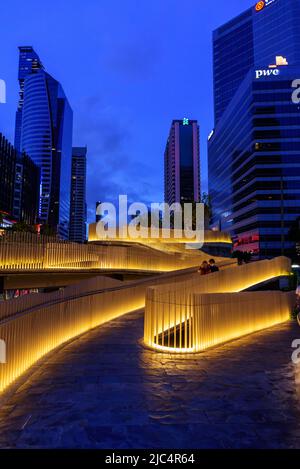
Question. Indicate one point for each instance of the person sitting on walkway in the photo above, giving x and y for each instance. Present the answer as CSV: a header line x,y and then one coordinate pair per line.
x,y
213,266
204,268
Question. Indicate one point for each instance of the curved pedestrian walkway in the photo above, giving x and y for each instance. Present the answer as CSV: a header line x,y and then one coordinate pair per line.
x,y
105,390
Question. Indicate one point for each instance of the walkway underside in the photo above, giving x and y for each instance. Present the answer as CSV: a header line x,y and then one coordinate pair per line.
x,y
104,390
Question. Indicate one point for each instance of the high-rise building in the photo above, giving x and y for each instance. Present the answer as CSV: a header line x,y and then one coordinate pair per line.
x,y
8,156
78,212
29,63
27,190
182,165
253,38
46,136
19,184
254,151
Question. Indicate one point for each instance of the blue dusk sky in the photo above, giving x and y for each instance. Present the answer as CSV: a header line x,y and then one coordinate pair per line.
x,y
128,67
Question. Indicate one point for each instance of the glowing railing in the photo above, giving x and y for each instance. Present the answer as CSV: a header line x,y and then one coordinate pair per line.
x,y
165,236
34,325
222,317
170,315
26,252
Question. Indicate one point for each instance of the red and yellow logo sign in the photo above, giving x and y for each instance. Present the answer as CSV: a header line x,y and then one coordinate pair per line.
x,y
260,5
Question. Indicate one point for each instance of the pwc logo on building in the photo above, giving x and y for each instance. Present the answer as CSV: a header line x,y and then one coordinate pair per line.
x,y
273,69
2,92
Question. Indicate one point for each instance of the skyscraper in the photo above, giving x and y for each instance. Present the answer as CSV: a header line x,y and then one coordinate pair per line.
x,y
78,195
254,151
182,166
19,184
29,63
26,190
8,156
46,136
253,38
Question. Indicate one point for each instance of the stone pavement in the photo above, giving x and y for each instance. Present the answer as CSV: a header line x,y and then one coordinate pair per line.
x,y
104,390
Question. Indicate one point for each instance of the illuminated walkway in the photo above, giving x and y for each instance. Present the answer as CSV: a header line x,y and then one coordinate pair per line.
x,y
105,390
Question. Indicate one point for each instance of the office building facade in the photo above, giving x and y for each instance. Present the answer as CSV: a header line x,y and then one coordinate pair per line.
x,y
26,190
253,39
254,151
182,165
19,184
29,63
46,136
78,211
8,156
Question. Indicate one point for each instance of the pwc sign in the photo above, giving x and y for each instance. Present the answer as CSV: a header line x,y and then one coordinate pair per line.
x,y
266,73
2,92
273,69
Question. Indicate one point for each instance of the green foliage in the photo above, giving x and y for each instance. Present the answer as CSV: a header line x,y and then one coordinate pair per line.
x,y
22,227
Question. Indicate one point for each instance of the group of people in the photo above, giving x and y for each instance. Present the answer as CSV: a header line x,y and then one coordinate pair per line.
x,y
208,267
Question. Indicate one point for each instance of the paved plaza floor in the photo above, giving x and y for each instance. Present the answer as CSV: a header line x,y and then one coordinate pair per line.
x,y
105,390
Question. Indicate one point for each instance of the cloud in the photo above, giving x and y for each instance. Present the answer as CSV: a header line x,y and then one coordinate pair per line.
x,y
111,169
134,59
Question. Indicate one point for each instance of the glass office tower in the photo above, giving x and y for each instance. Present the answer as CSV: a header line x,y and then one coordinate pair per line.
x,y
19,184
46,136
254,152
254,38
78,211
29,62
182,167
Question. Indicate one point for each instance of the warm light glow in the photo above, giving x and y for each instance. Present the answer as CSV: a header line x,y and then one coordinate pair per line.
x,y
214,237
204,311
33,325
51,320
23,252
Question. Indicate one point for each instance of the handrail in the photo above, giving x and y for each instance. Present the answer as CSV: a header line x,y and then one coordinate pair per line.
x,y
35,254
147,281
169,306
32,333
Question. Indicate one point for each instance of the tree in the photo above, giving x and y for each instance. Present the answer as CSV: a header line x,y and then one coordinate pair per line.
x,y
22,227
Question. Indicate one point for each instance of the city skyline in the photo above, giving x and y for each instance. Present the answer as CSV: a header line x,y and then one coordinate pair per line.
x,y
110,117
150,230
